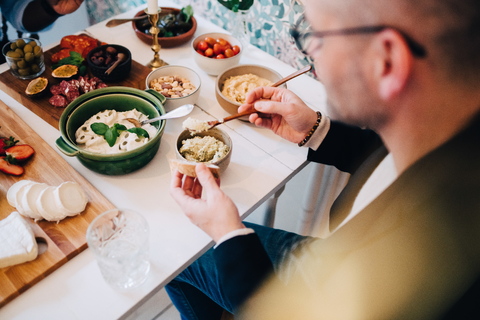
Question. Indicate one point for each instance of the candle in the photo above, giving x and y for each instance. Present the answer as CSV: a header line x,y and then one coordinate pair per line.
x,y
152,6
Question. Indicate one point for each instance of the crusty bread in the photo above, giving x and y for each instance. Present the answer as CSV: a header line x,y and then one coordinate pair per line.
x,y
188,168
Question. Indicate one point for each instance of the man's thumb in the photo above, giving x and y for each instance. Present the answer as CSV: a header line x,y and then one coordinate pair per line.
x,y
205,177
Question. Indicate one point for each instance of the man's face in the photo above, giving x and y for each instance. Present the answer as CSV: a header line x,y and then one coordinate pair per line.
x,y
342,66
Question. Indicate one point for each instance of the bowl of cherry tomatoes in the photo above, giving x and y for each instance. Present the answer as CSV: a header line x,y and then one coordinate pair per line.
x,y
215,52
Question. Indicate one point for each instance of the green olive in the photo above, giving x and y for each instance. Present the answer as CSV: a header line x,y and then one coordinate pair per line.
x,y
24,72
37,51
13,46
13,54
35,68
33,43
22,64
20,43
20,52
28,48
29,57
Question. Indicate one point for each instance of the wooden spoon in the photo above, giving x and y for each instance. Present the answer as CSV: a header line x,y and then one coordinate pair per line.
x,y
116,22
215,123
120,58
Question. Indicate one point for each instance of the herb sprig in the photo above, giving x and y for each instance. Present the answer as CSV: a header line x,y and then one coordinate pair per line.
x,y
188,12
112,133
236,5
75,59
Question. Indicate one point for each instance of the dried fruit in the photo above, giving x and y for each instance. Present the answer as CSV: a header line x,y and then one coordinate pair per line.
x,y
65,71
36,86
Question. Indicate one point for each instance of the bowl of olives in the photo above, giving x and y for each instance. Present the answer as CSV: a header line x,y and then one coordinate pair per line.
x,y
176,27
101,58
24,57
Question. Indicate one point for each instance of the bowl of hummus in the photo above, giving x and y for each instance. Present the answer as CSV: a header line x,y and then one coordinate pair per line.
x,y
233,85
213,146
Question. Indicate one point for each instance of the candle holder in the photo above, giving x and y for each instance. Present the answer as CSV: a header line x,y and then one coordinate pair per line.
x,y
154,30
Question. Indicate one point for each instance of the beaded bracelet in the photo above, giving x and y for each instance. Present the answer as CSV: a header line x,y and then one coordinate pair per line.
x,y
47,7
315,126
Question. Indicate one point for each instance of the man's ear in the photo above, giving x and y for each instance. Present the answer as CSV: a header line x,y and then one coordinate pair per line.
x,y
393,63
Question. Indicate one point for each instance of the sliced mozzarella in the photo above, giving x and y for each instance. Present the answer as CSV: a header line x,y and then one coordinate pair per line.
x,y
29,200
69,196
12,191
46,206
18,200
17,241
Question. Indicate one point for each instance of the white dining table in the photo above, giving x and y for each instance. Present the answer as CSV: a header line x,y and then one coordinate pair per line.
x,y
261,164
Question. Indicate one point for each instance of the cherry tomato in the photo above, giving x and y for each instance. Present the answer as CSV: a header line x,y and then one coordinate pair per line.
x,y
210,41
209,52
227,46
201,52
236,49
220,56
222,41
202,45
229,53
217,49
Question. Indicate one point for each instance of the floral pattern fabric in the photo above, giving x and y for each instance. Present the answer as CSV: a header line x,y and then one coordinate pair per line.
x,y
268,22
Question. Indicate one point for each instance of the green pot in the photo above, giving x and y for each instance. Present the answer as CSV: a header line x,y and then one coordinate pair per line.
x,y
148,102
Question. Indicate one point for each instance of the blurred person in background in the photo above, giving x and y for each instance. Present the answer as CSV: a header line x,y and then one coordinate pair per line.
x,y
403,85
33,15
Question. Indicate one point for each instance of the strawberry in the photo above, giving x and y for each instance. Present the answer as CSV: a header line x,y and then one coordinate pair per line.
x,y
7,165
20,152
6,143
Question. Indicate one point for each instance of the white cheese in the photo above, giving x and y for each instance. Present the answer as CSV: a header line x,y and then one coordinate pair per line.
x,y
17,241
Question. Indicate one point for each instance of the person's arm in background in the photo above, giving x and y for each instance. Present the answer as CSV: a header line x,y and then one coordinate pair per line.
x,y
36,15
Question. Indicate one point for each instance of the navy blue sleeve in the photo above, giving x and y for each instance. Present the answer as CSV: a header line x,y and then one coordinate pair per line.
x,y
243,264
345,147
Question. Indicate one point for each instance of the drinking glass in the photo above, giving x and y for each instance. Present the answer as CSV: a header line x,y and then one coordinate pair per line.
x,y
119,239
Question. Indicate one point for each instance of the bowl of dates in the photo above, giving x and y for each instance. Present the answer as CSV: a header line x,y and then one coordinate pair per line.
x,y
101,58
175,28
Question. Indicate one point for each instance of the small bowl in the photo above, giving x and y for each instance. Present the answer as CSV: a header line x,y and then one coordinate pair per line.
x,y
212,66
263,72
179,71
21,67
218,134
148,102
165,42
119,73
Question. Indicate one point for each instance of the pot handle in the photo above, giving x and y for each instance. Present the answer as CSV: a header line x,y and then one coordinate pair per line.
x,y
65,148
157,95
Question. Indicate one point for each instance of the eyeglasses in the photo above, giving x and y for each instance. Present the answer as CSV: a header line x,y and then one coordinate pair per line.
x,y
304,37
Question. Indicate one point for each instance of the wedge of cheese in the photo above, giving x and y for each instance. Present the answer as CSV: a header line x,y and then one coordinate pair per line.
x,y
17,241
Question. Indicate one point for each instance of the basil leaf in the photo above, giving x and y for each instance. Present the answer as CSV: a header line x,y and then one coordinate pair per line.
x,y
111,136
236,5
76,55
139,132
99,128
119,127
188,12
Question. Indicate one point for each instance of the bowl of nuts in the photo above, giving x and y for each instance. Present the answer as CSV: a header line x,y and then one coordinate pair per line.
x,y
101,58
180,85
24,57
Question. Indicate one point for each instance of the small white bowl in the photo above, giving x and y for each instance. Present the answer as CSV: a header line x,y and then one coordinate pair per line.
x,y
212,66
182,72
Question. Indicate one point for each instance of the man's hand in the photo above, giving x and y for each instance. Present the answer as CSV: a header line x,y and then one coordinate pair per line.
x,y
217,215
280,111
65,6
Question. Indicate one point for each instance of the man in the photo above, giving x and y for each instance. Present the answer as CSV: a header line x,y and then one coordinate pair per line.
x,y
35,15
406,228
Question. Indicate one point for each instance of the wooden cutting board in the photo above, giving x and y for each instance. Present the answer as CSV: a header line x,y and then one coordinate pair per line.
x,y
64,240
15,88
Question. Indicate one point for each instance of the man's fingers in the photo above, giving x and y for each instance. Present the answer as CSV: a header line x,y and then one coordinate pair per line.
x,y
188,183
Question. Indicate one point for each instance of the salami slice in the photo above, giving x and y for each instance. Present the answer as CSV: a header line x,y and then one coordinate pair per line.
x,y
58,101
75,82
55,89
73,93
64,87
101,85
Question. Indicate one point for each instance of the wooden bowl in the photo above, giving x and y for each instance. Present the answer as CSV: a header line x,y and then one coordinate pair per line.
x,y
165,42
